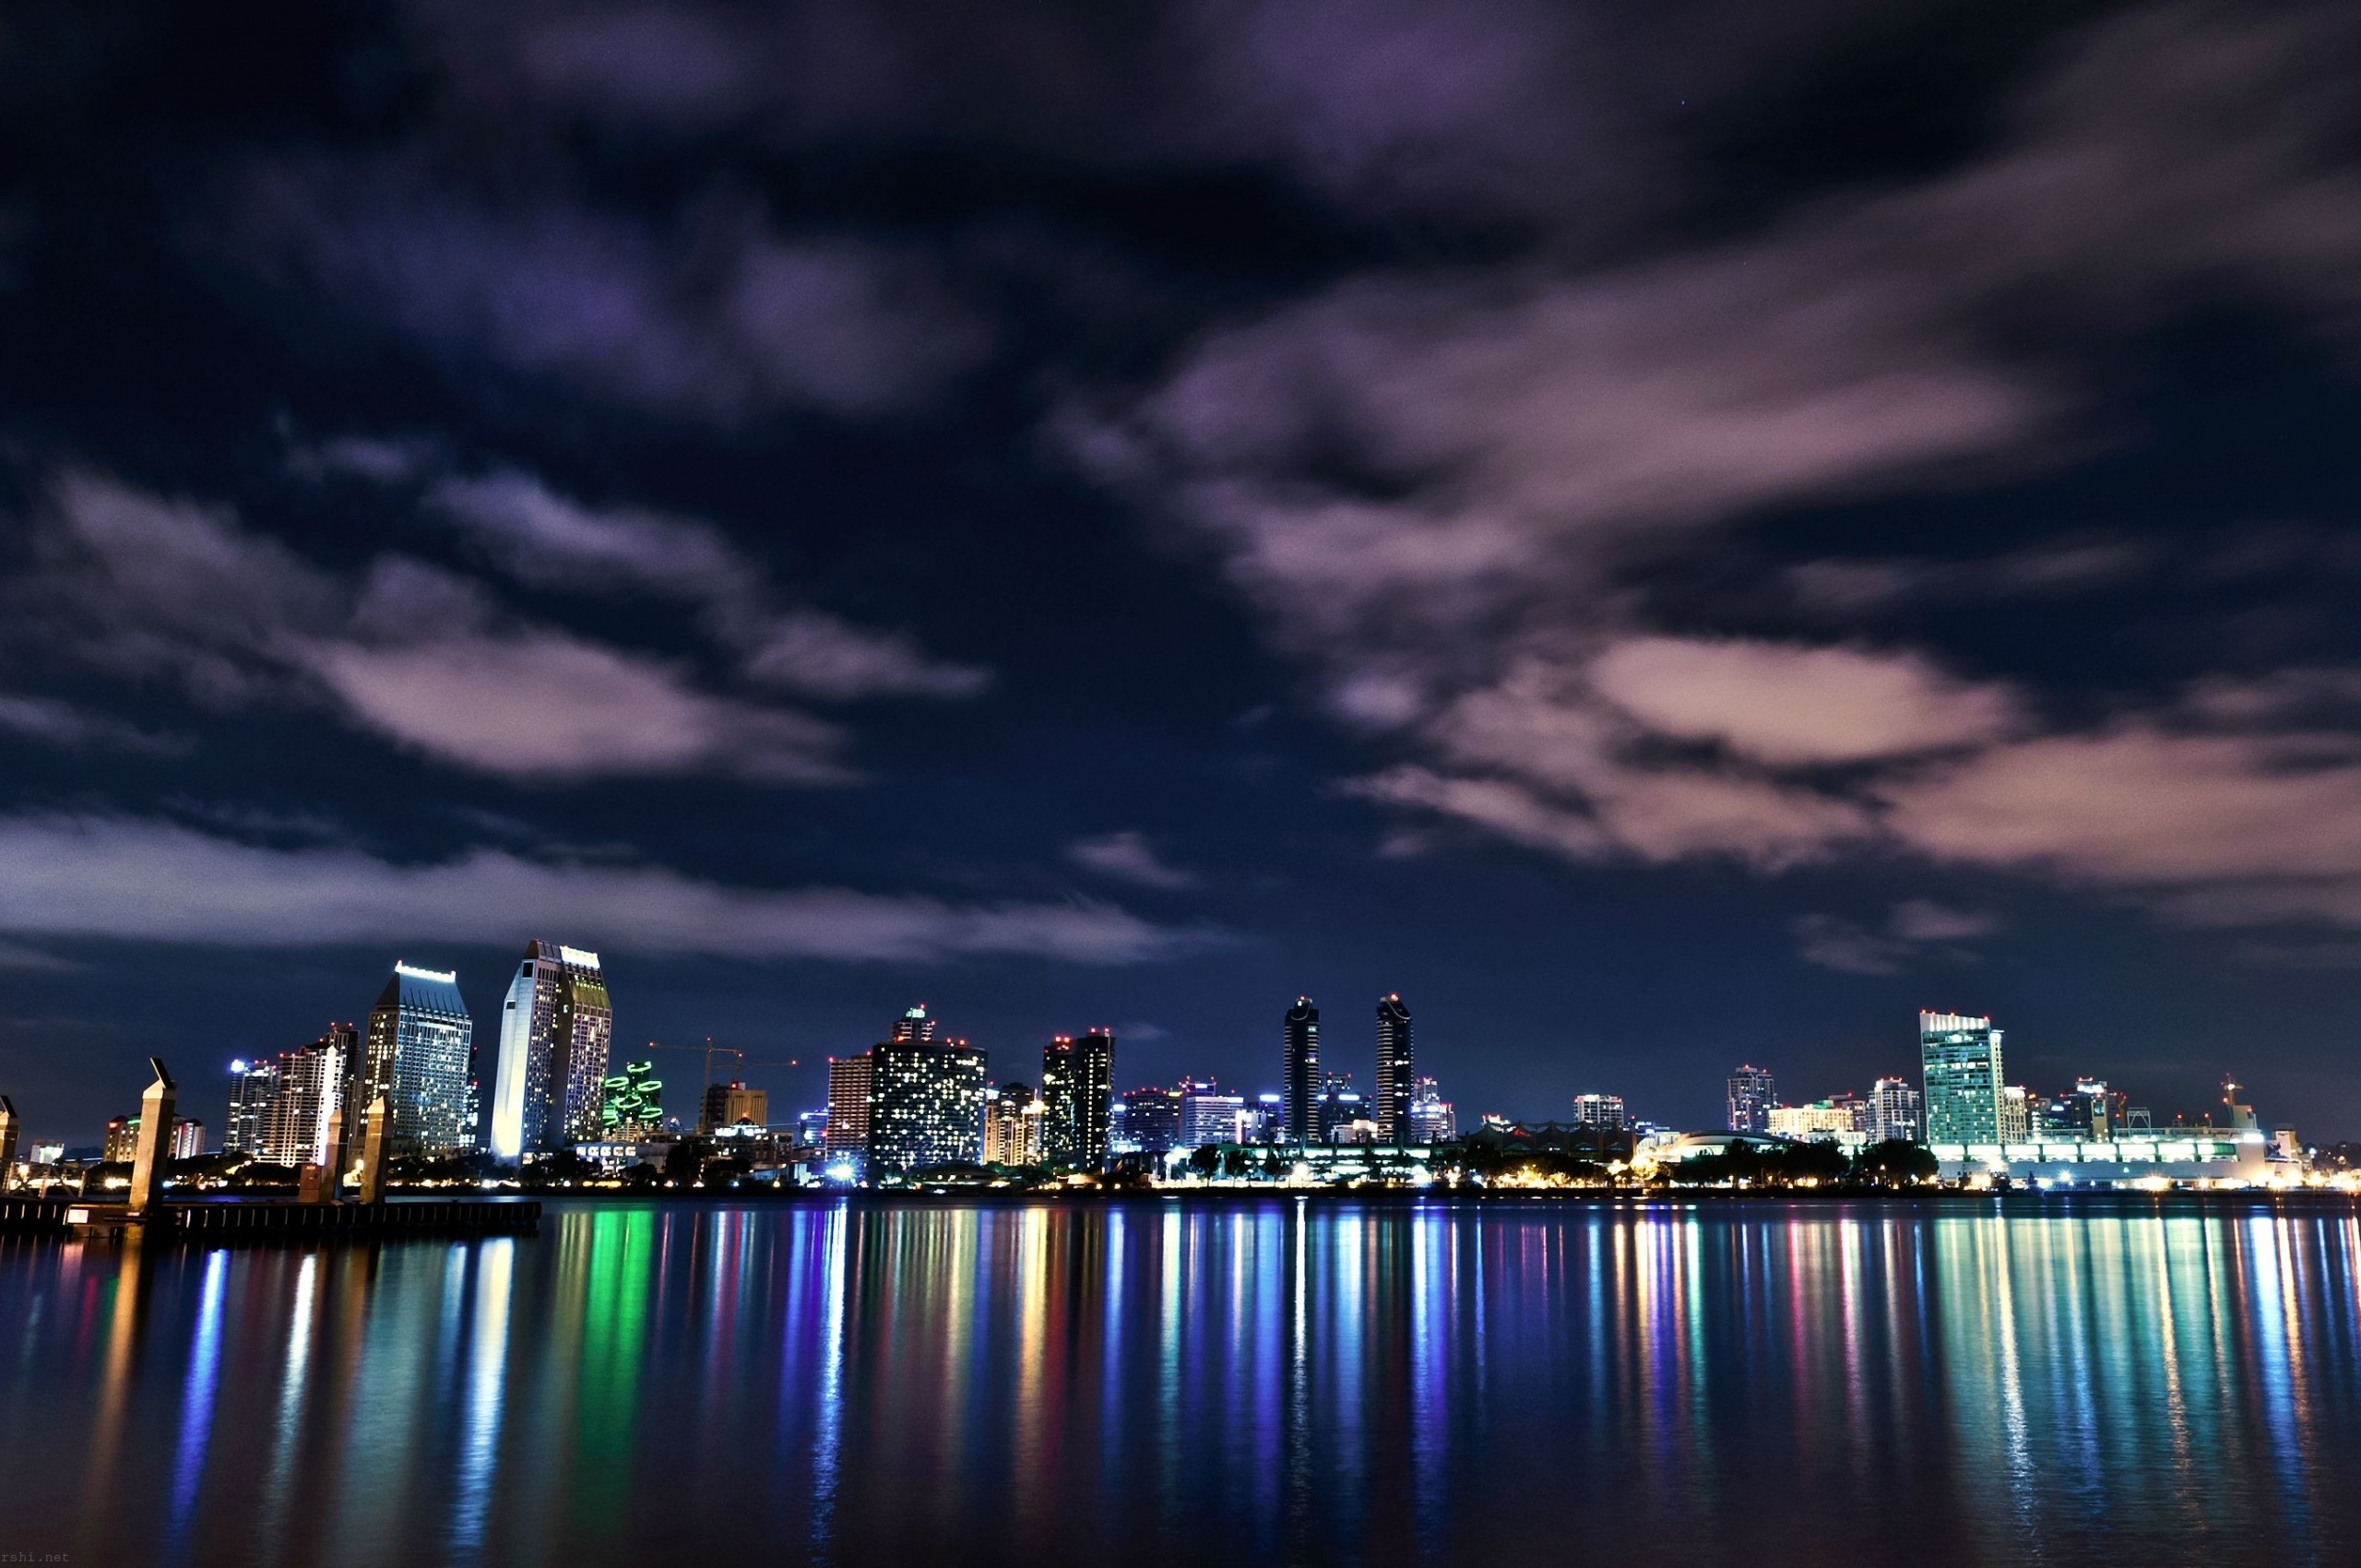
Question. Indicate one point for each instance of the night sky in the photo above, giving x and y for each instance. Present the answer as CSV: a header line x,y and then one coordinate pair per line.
x,y
1666,535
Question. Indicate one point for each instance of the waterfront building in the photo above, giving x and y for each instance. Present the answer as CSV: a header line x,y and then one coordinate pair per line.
x,y
1961,1057
631,1105
419,1052
1601,1111
2235,1153
732,1104
1270,1126
1342,1114
309,1090
1397,1068
1151,1121
1209,1116
2090,1112
1836,1120
556,1028
1301,1080
1077,1091
1012,1117
121,1145
1431,1119
812,1128
1751,1096
1894,1112
2016,1114
851,1078
251,1086
925,1104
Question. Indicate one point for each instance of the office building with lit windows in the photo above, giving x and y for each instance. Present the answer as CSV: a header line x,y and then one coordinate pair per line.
x,y
1396,1070
556,1028
1751,1096
1151,1122
1012,1116
251,1086
926,1105
1961,1056
419,1051
309,1085
1431,1119
1302,1082
1601,1111
1209,1116
849,1081
1895,1111
1077,1094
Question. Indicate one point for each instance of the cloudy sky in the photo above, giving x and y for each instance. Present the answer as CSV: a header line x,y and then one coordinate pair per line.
x,y
1666,537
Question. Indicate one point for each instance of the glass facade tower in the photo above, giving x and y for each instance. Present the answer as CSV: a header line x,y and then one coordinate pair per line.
x,y
1396,1071
926,1105
1962,1060
420,1054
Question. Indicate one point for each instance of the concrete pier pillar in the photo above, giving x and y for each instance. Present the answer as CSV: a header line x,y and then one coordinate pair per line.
x,y
7,1144
156,1113
373,1153
318,1184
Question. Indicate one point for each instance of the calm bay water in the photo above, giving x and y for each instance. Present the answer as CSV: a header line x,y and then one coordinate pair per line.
x,y
1165,1382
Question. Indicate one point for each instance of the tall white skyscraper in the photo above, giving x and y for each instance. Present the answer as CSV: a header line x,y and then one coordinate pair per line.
x,y
1895,1111
556,1028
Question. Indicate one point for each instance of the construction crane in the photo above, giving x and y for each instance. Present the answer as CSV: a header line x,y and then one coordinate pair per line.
x,y
710,1050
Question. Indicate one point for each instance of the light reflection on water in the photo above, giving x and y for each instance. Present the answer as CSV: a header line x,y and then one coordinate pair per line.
x,y
1146,1383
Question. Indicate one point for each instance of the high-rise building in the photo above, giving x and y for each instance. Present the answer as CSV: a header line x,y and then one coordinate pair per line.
x,y
310,1087
1822,1120
1209,1116
1395,1068
631,1104
1751,1096
1300,1033
913,1026
1894,1112
851,1080
556,1028
2016,1114
251,1086
926,1105
1962,1060
727,1105
1152,1119
188,1138
1012,1115
420,1054
1077,1092
1432,1120
1601,1111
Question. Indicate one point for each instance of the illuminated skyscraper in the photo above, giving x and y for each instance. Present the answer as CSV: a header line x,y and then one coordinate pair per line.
x,y
1752,1094
1078,1096
188,1138
926,1105
851,1080
1962,1058
913,1026
1301,1080
309,1086
556,1028
1394,1070
727,1105
251,1084
420,1054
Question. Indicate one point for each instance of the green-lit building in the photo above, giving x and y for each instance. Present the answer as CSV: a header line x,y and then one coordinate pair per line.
x,y
1962,1058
